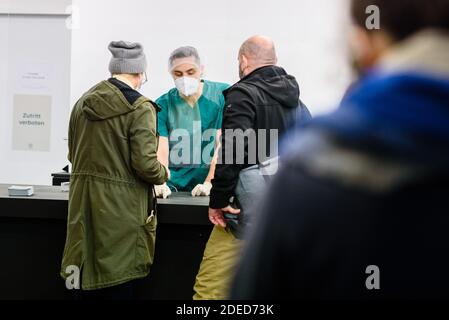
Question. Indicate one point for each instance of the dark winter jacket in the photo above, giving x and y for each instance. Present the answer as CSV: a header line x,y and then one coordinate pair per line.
x,y
267,99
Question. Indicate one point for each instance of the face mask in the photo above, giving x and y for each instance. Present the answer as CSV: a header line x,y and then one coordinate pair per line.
x,y
187,86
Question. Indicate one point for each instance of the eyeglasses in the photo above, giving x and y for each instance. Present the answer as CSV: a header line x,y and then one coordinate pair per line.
x,y
145,79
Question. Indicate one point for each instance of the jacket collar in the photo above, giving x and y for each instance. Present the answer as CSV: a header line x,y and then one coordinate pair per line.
x,y
124,80
251,75
256,72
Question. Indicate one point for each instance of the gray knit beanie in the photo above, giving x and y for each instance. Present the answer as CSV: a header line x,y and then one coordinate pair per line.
x,y
127,58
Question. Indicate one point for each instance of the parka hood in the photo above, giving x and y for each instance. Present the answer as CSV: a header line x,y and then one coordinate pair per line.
x,y
275,81
105,101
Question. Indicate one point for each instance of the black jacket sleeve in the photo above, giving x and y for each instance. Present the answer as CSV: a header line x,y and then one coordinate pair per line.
x,y
238,116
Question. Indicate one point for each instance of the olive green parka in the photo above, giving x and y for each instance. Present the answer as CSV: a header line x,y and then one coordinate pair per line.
x,y
112,147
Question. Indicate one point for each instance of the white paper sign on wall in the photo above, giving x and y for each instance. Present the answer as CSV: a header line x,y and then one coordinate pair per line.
x,y
33,76
31,122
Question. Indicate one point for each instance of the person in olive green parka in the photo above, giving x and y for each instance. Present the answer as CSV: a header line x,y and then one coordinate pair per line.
x,y
112,147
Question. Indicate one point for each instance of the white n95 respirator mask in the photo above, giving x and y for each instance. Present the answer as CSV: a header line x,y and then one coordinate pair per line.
x,y
187,86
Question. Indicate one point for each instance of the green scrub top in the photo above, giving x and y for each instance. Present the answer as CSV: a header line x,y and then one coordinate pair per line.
x,y
191,132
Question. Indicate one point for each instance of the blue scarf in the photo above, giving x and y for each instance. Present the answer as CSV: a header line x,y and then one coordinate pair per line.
x,y
406,113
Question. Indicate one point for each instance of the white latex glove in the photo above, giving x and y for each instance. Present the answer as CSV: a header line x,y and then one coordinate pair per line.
x,y
202,190
162,191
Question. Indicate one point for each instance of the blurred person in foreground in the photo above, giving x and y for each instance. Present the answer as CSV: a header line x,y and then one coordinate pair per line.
x,y
359,209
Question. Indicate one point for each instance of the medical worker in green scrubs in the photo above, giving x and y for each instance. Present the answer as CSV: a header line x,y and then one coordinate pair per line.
x,y
189,125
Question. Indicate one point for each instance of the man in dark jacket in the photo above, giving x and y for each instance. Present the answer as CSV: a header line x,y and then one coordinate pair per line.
x,y
258,109
359,209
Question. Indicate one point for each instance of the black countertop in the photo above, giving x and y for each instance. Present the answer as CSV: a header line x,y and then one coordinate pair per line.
x,y
179,208
33,234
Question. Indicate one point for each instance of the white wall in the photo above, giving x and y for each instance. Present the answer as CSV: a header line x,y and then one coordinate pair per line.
x,y
310,36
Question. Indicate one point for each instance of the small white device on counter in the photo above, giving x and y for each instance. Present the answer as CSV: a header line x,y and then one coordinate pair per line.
x,y
21,191
65,186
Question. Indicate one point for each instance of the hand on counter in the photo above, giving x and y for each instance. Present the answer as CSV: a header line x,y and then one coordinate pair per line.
x,y
202,190
162,191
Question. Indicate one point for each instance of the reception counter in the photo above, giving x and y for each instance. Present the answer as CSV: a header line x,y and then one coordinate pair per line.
x,y
32,237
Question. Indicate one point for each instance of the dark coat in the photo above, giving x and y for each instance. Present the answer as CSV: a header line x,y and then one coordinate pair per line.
x,y
267,99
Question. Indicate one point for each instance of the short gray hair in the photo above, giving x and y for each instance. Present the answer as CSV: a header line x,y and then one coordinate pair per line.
x,y
184,52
